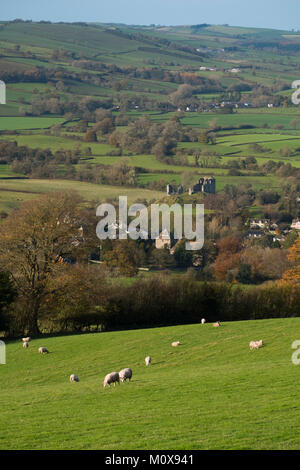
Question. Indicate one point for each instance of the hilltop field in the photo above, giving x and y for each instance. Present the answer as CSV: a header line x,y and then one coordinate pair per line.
x,y
211,392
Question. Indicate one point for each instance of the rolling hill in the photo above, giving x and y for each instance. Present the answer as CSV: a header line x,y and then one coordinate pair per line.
x,y
211,392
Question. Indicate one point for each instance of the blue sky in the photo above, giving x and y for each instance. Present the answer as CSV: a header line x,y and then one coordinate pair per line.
x,y
260,13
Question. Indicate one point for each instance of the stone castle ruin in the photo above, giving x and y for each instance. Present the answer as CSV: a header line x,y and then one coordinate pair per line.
x,y
203,185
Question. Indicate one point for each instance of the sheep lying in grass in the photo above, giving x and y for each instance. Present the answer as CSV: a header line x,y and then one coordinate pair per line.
x,y
26,340
175,344
113,377
74,378
148,360
216,324
125,374
256,344
25,344
43,350
203,321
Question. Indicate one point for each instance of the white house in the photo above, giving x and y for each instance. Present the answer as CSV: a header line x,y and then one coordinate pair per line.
x,y
256,223
295,224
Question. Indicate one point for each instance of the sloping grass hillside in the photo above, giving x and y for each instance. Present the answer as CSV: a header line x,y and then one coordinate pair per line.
x,y
211,392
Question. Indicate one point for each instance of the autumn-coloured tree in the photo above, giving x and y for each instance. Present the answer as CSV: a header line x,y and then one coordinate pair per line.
x,y
75,299
228,257
124,256
162,259
34,240
90,136
265,263
106,126
293,274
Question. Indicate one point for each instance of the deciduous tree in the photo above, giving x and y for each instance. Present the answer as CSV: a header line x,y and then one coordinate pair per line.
x,y
34,241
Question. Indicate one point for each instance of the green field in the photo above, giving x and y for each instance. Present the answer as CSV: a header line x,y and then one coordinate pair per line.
x,y
6,172
13,192
212,392
16,123
114,62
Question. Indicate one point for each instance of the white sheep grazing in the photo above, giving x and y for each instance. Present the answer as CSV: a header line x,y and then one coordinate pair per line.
x,y
26,340
175,344
113,377
43,350
203,321
125,374
216,324
25,344
148,360
74,378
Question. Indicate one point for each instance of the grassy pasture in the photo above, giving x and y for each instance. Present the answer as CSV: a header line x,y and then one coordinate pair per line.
x,y
39,140
272,143
94,41
245,139
257,182
238,118
13,192
212,392
18,123
6,171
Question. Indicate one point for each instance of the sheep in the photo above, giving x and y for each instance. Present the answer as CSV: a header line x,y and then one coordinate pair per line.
x,y
175,344
74,378
125,374
43,350
26,340
256,344
203,321
148,360
113,377
216,324
25,344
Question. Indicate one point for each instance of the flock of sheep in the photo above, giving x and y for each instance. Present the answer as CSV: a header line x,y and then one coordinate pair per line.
x,y
124,374
42,350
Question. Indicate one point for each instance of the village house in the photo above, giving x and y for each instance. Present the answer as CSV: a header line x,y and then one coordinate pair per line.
x,y
254,234
279,238
163,241
259,223
295,224
274,228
